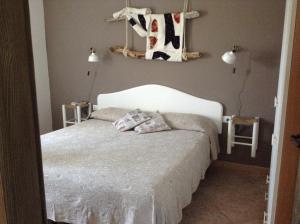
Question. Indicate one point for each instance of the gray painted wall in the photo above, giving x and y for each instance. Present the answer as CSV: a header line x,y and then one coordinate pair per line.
x,y
73,26
40,64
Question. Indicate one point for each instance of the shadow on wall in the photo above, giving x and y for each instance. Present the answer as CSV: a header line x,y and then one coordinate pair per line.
x,y
266,58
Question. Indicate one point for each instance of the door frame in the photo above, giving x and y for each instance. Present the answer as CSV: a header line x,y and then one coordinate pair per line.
x,y
281,107
290,153
22,196
2,204
9,190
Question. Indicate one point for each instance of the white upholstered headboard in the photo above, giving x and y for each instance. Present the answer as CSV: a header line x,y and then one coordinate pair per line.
x,y
163,99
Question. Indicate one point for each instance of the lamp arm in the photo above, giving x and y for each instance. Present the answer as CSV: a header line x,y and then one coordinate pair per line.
x,y
235,49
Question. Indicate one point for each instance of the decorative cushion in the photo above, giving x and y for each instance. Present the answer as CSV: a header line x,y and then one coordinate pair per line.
x,y
131,120
109,113
156,124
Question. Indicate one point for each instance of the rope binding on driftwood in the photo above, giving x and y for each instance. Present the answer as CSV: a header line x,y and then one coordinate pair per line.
x,y
125,50
185,9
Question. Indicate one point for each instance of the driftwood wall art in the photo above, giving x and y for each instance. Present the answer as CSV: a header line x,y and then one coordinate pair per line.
x,y
165,33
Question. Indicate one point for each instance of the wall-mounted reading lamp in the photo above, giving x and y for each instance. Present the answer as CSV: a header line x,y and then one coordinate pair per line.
x,y
230,57
93,56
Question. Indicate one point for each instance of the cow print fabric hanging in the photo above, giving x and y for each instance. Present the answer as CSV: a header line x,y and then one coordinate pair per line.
x,y
164,33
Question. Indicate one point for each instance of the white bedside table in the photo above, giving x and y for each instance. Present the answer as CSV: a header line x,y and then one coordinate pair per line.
x,y
233,139
77,108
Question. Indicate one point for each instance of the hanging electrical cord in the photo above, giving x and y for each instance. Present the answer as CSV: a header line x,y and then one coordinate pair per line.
x,y
240,106
243,87
93,84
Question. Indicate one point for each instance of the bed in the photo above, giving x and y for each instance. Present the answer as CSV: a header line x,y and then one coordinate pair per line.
x,y
95,174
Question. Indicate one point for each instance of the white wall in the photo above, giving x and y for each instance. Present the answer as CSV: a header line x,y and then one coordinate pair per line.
x,y
40,64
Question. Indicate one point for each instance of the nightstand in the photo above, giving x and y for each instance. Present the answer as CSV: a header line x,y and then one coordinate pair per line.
x,y
233,139
77,109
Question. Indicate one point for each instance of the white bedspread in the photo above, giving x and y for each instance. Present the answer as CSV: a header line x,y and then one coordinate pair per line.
x,y
97,175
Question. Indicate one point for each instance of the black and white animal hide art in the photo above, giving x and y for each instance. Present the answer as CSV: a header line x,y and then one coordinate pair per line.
x,y
164,32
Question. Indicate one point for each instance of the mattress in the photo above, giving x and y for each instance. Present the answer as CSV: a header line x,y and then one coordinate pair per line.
x,y
94,174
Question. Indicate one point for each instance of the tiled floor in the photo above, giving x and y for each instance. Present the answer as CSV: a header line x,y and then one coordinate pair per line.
x,y
230,194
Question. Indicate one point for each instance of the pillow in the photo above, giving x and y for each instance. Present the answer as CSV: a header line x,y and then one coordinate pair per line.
x,y
156,124
109,113
190,122
193,122
131,120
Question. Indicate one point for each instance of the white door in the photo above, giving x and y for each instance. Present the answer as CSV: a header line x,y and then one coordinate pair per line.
x,y
281,105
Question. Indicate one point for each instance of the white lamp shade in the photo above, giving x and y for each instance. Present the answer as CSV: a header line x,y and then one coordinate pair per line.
x,y
93,57
229,57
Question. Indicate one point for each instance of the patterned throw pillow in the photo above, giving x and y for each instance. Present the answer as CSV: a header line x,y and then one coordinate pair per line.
x,y
131,120
156,124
